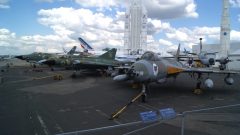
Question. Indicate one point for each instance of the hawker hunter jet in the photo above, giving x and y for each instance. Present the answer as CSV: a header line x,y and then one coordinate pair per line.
x,y
151,68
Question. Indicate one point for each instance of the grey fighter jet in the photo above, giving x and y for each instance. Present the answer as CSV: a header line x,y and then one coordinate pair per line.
x,y
151,68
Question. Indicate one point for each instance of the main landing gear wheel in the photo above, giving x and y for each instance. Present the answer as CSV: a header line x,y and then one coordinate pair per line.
x,y
198,89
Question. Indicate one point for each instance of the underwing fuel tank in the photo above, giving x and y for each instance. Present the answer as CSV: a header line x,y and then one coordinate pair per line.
x,y
229,80
161,81
208,83
120,77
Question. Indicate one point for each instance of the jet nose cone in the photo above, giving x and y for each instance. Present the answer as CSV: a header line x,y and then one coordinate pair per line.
x,y
20,57
141,70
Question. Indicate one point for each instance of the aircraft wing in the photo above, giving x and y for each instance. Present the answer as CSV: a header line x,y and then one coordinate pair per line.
x,y
208,71
123,67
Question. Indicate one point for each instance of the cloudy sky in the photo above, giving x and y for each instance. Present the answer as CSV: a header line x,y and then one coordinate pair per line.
x,y
49,25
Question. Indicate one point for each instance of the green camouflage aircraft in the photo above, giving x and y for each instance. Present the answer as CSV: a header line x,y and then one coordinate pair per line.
x,y
38,56
103,62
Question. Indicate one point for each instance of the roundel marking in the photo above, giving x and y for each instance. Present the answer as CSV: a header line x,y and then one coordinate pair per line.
x,y
155,69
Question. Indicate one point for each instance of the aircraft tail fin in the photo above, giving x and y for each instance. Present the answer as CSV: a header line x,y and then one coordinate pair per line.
x,y
64,50
84,44
178,53
109,54
73,50
200,44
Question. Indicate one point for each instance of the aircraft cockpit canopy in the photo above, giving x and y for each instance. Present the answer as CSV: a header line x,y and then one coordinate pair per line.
x,y
150,56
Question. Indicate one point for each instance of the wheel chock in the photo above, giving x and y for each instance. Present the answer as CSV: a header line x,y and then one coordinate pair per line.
x,y
198,91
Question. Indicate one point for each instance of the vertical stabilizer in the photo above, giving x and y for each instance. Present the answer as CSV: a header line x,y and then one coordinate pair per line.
x,y
72,51
84,44
109,54
178,52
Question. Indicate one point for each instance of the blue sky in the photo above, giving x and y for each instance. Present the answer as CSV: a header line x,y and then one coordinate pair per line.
x,y
45,25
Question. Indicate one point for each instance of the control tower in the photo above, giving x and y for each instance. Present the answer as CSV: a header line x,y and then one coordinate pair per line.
x,y
135,34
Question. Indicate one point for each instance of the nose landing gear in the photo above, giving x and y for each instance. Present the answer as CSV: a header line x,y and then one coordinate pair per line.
x,y
143,95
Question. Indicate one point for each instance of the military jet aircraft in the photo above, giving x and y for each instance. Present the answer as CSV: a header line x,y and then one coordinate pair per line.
x,y
103,62
34,57
151,68
37,57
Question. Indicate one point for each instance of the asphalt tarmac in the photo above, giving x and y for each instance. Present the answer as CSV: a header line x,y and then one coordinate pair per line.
x,y
33,103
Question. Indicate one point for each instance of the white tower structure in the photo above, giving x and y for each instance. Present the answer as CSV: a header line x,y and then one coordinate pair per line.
x,y
135,35
225,30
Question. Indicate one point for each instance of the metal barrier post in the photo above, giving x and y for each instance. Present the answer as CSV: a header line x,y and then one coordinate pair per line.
x,y
183,123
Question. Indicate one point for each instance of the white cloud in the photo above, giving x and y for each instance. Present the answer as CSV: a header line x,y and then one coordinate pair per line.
x,y
11,44
4,4
155,26
6,37
4,1
235,35
156,8
98,3
163,9
49,1
235,3
191,36
165,42
94,27
68,24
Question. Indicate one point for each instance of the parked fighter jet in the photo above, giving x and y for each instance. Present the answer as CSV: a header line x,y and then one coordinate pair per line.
x,y
5,57
103,62
151,68
38,56
35,57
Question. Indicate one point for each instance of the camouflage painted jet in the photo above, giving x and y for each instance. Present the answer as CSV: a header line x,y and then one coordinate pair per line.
x,y
151,68
105,61
35,57
38,56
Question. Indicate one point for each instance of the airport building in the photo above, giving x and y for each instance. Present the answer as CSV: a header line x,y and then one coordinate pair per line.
x,y
135,34
225,48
